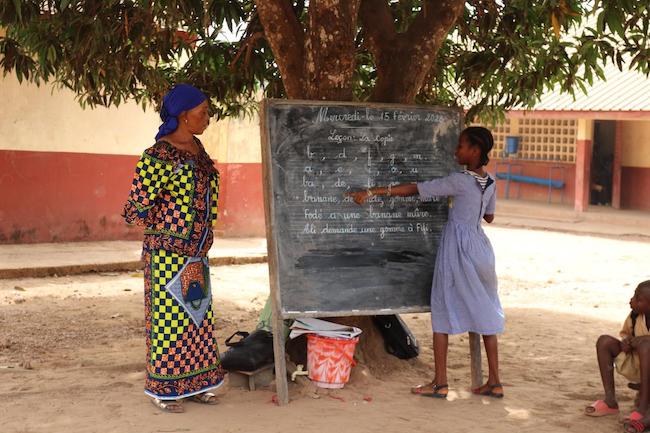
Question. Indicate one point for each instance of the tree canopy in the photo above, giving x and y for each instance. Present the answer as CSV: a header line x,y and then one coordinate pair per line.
x,y
481,54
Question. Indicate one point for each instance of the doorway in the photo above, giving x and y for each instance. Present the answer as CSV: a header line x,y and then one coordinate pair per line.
x,y
602,160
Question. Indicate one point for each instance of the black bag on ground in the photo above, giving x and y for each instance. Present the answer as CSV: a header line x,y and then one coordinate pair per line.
x,y
398,338
253,351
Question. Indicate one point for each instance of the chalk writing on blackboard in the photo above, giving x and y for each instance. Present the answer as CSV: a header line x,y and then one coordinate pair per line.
x,y
334,256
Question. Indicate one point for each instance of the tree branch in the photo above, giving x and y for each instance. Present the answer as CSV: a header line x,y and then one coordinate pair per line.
x,y
286,37
403,65
378,24
436,17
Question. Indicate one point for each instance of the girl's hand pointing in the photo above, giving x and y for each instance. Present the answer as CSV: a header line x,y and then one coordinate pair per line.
x,y
359,197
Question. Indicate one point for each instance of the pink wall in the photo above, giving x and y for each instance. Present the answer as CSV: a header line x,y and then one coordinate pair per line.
x,y
58,196
635,188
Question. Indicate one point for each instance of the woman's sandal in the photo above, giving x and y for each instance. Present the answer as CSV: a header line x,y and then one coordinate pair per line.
x,y
431,390
170,406
495,390
205,398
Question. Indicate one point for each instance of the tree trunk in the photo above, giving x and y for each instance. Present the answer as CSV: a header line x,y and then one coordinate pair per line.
x,y
403,60
330,49
286,36
319,64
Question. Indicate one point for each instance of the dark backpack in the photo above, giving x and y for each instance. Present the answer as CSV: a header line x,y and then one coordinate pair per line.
x,y
253,351
398,338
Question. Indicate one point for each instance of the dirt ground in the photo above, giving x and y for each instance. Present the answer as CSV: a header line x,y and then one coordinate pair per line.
x,y
72,352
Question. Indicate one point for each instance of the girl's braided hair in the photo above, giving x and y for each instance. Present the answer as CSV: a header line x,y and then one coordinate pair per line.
x,y
481,137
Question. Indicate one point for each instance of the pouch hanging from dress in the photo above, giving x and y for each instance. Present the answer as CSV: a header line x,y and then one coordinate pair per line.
x,y
191,288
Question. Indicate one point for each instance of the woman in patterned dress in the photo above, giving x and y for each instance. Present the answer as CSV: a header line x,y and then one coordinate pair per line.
x,y
174,196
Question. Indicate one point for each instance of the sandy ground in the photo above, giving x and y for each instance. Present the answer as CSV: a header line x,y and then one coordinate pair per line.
x,y
72,352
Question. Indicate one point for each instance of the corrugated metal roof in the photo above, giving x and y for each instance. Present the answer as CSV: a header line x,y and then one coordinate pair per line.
x,y
622,91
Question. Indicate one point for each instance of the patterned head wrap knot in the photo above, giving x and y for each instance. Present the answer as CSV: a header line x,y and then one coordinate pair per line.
x,y
181,98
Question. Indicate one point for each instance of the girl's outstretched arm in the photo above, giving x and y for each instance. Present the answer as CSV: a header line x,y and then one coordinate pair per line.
x,y
401,190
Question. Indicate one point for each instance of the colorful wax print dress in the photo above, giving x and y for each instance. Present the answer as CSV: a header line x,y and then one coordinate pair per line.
x,y
464,294
174,195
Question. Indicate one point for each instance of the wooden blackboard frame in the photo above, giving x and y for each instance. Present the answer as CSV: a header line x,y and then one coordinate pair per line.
x,y
278,316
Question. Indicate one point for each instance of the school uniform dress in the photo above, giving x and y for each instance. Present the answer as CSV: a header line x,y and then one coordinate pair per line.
x,y
464,294
174,196
628,364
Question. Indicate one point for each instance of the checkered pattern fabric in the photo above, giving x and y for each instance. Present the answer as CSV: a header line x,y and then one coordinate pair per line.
x,y
214,189
178,347
169,320
195,350
178,218
151,175
181,185
178,211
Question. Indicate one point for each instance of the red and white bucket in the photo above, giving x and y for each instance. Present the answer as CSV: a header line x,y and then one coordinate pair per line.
x,y
330,360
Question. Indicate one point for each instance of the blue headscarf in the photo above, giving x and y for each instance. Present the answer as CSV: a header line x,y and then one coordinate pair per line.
x,y
181,98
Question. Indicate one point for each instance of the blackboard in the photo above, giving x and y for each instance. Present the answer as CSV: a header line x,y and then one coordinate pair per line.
x,y
328,255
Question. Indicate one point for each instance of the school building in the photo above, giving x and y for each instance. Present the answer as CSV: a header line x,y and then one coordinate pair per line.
x,y
594,150
65,172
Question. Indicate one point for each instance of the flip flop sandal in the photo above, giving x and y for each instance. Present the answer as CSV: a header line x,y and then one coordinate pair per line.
x,y
436,392
423,389
205,398
430,390
636,426
600,409
170,406
488,390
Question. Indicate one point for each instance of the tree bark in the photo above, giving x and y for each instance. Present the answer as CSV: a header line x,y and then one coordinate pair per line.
x,y
285,34
330,49
403,60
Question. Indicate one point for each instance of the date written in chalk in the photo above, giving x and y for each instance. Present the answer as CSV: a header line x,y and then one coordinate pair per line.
x,y
324,115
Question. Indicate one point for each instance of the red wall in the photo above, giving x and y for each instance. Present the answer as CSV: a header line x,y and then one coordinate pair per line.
x,y
57,196
523,191
635,188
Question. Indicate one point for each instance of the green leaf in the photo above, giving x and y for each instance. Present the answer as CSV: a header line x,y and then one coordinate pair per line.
x,y
600,23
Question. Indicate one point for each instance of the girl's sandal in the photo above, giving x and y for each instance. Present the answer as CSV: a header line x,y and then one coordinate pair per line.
x,y
431,390
494,391
170,406
205,398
